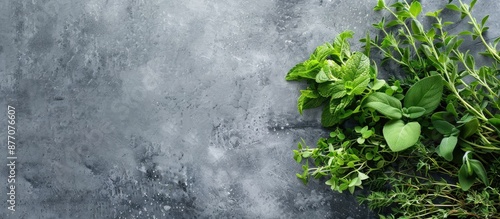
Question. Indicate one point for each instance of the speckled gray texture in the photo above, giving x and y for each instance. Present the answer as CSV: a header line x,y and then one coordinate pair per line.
x,y
166,109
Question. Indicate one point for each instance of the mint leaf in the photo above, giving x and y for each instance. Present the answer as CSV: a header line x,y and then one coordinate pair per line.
x,y
341,45
306,102
333,90
322,52
359,85
305,70
358,66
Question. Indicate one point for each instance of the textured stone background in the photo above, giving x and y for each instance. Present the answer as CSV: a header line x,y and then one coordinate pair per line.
x,y
166,109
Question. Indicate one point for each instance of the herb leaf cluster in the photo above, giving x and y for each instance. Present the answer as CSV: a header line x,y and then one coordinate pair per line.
x,y
426,145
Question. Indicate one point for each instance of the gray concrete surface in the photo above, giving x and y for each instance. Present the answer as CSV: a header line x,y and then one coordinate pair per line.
x,y
165,109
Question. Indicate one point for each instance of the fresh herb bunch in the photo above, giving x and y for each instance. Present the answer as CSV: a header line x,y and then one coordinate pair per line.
x,y
426,146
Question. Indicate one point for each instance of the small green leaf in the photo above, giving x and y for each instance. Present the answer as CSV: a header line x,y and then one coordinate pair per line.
x,y
350,164
417,28
341,44
472,3
495,122
413,112
377,84
384,104
466,181
453,7
360,140
309,93
380,163
400,136
369,156
306,154
445,149
305,102
433,13
415,8
451,109
469,128
431,33
327,118
466,33
483,21
362,176
322,77
425,93
355,182
478,169
380,5
330,71
322,52
351,189
443,126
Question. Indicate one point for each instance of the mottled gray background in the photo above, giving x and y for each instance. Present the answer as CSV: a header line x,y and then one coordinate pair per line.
x,y
166,109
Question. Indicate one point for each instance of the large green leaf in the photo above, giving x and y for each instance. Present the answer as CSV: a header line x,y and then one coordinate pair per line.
x,y
445,149
384,104
400,136
357,66
359,85
425,93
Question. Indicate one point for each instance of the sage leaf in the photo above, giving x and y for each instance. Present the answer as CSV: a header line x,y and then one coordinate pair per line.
x,y
425,93
464,179
443,127
469,128
386,105
400,136
413,112
479,170
445,149
377,84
